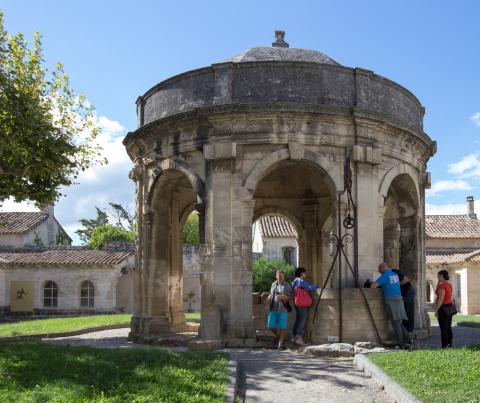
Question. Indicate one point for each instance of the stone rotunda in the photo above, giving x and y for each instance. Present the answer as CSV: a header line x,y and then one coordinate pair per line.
x,y
269,132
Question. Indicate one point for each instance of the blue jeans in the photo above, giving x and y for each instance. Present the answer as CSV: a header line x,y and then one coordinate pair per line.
x,y
300,319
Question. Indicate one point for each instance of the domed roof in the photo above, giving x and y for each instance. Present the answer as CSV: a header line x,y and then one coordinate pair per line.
x,y
260,54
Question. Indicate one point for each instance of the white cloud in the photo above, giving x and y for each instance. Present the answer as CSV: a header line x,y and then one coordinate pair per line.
x,y
476,118
448,185
10,205
466,163
110,126
446,209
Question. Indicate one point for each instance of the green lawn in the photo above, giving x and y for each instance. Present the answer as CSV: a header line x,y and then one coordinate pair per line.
x,y
451,375
57,325
38,372
462,320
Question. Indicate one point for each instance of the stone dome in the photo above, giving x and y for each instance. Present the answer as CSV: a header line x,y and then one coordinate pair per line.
x,y
262,54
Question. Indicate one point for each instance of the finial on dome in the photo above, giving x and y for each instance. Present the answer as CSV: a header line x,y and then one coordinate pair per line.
x,y
280,40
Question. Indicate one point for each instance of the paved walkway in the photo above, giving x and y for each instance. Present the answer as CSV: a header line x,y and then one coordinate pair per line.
x,y
289,376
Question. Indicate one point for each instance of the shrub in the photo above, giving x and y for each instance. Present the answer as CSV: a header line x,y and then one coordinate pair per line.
x,y
191,233
264,273
107,233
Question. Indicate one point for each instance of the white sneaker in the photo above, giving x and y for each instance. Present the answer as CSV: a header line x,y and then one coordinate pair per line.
x,y
300,342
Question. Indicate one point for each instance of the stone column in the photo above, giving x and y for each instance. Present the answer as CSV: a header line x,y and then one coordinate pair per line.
x,y
369,223
227,283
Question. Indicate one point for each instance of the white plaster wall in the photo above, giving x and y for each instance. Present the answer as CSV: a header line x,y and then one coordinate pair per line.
x,y
68,281
47,231
192,275
257,246
272,248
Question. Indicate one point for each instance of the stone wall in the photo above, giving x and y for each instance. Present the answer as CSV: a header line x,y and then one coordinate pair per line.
x,y
357,325
68,280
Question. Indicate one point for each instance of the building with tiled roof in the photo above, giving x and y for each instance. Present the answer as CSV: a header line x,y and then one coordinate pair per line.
x,y
453,244
20,229
274,237
40,273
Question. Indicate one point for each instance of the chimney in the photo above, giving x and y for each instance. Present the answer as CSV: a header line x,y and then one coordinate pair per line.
x,y
471,207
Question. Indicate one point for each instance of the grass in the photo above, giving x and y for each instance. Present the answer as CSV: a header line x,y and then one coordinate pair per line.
x,y
462,320
58,325
451,375
38,372
193,316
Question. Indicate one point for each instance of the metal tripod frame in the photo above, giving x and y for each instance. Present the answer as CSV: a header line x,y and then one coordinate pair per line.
x,y
338,241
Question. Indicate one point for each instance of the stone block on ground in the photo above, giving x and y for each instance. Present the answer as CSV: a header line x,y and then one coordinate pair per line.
x,y
366,344
205,345
331,350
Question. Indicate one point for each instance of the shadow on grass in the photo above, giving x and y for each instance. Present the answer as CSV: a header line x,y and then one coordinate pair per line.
x,y
33,369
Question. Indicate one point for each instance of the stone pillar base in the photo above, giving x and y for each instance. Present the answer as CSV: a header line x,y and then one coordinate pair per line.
x,y
150,326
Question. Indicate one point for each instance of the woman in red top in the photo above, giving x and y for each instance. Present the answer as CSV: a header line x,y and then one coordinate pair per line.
x,y
444,298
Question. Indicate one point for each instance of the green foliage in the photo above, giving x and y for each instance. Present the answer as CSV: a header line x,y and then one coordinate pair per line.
x,y
43,372
191,231
106,233
118,216
264,273
91,224
451,375
37,240
47,131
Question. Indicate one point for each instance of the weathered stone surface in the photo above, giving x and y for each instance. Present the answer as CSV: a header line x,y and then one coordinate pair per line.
x,y
365,344
243,139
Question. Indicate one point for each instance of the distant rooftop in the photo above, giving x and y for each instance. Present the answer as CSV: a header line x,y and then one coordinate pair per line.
x,y
62,255
452,226
19,223
276,227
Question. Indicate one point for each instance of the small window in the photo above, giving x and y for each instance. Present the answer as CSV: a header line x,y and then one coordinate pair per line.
x,y
50,294
87,295
288,254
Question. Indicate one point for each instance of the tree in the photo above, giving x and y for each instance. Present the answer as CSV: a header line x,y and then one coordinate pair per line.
x,y
119,217
91,224
264,273
106,233
191,233
47,132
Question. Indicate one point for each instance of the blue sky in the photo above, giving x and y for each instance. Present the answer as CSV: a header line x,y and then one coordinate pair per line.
x,y
114,51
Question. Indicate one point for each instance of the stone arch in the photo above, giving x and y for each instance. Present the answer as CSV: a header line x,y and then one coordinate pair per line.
x,y
177,165
263,167
172,197
279,211
402,232
394,172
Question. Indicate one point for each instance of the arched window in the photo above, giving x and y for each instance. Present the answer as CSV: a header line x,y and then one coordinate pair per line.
x,y
87,295
50,294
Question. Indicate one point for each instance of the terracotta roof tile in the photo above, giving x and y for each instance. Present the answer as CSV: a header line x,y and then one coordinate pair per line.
x,y
65,255
451,226
18,222
452,255
276,227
